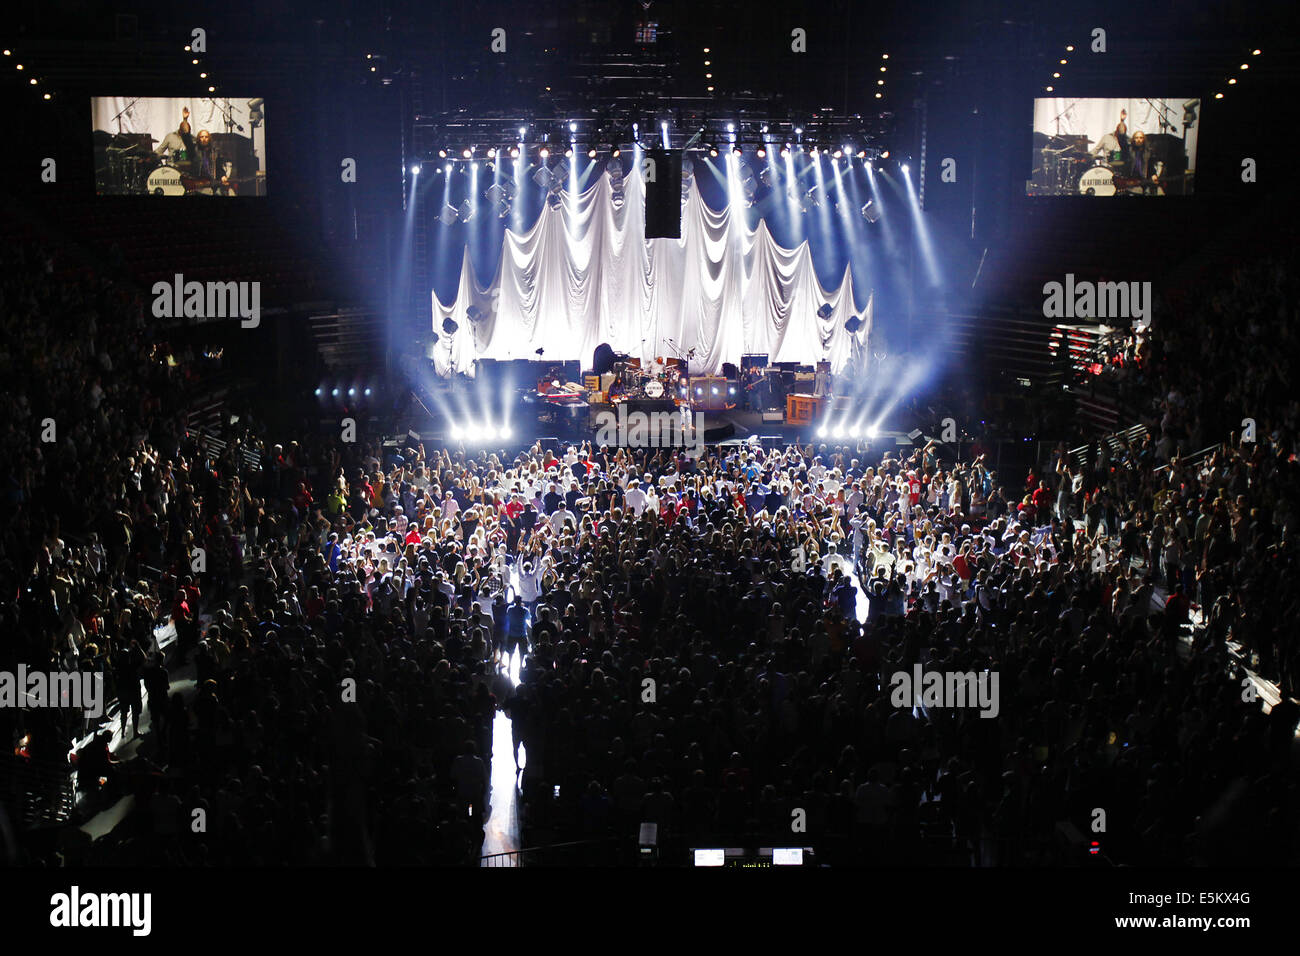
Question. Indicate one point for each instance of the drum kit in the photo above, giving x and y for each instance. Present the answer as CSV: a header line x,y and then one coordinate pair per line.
x,y
1065,165
125,165
663,379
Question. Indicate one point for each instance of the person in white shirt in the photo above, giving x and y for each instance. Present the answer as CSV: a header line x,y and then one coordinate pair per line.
x,y
636,500
560,516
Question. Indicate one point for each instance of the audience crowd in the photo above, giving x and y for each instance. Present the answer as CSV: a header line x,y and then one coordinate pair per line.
x,y
323,634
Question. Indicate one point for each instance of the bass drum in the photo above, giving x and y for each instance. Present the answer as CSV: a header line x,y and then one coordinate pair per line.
x,y
1097,181
165,181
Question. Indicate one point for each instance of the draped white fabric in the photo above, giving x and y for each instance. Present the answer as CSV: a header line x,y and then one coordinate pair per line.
x,y
586,274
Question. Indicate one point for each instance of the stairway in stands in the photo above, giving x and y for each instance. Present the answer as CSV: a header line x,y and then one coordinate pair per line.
x,y
38,794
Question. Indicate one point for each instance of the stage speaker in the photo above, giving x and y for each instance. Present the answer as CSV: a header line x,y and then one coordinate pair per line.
x,y
663,194
602,360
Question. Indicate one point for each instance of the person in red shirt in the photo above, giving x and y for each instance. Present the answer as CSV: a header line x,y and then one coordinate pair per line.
x,y
913,488
1042,499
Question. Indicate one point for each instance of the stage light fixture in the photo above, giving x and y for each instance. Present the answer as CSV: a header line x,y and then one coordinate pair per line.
x,y
616,152
352,392
492,153
872,431
1252,52
415,169
885,154
761,152
855,432
838,153
1048,89
319,391
442,154
573,127
736,150
467,153
367,392
335,393
823,432
514,151
569,151
544,152
879,95
840,431
591,153
713,151
457,433
447,168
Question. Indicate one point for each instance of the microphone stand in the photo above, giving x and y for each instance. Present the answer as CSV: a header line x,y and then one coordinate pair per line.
x,y
126,109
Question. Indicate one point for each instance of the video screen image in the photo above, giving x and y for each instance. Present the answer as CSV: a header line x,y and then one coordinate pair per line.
x,y
1114,147
179,146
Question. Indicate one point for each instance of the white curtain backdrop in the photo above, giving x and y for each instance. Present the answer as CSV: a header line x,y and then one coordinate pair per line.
x,y
585,274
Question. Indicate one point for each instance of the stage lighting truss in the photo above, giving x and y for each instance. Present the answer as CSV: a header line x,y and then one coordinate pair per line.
x,y
622,125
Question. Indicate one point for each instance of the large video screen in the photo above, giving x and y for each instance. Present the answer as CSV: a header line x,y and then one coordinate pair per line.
x,y
1114,147
179,145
